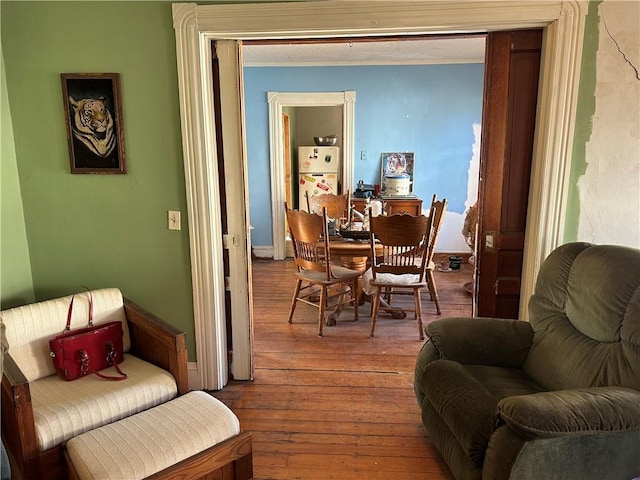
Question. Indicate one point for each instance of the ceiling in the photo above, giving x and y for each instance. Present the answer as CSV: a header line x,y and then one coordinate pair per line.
x,y
383,52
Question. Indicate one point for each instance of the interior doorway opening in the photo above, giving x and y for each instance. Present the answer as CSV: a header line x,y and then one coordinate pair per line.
x,y
306,123
563,22
278,102
455,219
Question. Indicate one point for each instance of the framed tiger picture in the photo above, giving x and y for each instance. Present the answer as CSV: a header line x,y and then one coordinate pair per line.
x,y
93,113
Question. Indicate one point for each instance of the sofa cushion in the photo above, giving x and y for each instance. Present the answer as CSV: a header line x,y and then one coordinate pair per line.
x,y
62,409
29,328
504,382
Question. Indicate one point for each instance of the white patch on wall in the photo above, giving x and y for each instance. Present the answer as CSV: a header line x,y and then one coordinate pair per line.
x,y
610,187
474,169
451,239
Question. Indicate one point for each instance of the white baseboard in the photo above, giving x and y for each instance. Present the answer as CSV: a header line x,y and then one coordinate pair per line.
x,y
263,251
194,376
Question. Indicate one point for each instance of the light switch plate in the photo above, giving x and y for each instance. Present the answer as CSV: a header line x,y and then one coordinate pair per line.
x,y
174,220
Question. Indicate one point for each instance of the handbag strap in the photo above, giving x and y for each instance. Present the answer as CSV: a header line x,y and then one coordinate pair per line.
x,y
70,311
111,358
123,376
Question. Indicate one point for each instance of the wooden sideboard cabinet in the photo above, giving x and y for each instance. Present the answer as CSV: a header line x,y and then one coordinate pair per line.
x,y
412,206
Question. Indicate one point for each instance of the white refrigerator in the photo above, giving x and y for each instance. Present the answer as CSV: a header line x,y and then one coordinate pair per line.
x,y
318,172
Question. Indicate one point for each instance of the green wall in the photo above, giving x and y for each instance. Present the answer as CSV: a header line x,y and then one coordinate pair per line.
x,y
584,113
16,284
100,230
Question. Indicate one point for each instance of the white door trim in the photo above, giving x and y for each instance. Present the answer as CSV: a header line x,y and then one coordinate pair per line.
x,y
278,100
196,25
203,199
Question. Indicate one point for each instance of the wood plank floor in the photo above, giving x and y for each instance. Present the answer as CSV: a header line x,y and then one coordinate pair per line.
x,y
341,406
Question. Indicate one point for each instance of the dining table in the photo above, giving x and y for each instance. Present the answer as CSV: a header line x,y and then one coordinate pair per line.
x,y
353,253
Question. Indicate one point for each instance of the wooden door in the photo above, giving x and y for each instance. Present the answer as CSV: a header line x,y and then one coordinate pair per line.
x,y
228,91
286,141
289,182
512,69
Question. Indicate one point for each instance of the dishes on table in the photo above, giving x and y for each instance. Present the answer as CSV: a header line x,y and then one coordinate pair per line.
x,y
354,231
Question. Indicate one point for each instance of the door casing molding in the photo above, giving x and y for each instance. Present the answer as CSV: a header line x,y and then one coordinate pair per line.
x,y
196,25
278,100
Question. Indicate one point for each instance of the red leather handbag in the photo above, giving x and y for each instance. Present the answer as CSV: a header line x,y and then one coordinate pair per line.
x,y
86,350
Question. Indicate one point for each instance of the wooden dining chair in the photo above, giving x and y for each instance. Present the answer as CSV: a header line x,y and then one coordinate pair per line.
x,y
312,254
401,266
436,217
338,206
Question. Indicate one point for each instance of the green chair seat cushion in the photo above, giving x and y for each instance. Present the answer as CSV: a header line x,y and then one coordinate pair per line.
x,y
504,382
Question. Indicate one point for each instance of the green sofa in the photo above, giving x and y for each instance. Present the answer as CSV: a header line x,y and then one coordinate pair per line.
x,y
557,397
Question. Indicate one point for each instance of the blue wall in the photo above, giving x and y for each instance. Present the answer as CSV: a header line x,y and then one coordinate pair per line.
x,y
425,109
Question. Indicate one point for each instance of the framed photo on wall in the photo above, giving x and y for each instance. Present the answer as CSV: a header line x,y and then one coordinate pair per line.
x,y
93,115
395,164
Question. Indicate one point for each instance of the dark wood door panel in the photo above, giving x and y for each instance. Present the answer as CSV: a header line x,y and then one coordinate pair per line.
x,y
510,264
508,126
511,241
520,134
507,287
506,305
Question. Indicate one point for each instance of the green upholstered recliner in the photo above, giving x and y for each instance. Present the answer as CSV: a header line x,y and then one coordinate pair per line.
x,y
557,397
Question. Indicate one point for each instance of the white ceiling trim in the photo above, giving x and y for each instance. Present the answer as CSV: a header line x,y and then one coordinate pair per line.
x,y
407,51
363,63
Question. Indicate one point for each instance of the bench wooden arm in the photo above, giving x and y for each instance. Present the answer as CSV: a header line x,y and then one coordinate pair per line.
x,y
18,430
158,342
232,459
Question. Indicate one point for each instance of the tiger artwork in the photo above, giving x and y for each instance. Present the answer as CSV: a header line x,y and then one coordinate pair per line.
x,y
93,125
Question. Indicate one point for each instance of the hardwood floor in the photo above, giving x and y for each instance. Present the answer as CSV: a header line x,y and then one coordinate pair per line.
x,y
341,406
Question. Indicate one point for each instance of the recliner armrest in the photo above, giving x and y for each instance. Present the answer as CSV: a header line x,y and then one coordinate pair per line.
x,y
572,412
482,341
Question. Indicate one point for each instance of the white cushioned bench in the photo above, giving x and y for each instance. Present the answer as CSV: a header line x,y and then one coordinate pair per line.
x,y
164,440
63,409
41,412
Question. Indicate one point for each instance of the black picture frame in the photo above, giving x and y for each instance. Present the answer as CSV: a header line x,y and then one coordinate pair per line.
x,y
93,116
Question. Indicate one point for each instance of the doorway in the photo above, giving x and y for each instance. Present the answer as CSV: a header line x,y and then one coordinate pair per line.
x,y
563,23
278,101
427,92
